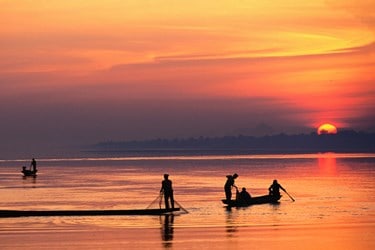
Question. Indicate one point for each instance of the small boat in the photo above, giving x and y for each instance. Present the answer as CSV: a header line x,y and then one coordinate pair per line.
x,y
27,172
45,213
265,199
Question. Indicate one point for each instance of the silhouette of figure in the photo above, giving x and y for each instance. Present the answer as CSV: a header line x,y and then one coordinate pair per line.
x,y
244,197
228,186
166,188
274,189
33,165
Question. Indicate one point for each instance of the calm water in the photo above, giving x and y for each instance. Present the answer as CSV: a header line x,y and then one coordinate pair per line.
x,y
332,191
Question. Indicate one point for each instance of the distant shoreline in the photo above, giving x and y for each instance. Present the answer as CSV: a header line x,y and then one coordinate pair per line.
x,y
343,142
205,151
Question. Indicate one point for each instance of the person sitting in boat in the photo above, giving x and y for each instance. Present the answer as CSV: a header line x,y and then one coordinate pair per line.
x,y
228,186
274,189
244,197
33,165
166,188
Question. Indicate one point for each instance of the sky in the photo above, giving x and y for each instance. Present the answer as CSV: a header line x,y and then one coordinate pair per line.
x,y
74,73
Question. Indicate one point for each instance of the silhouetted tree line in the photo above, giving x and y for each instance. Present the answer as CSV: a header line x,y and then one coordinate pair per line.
x,y
344,141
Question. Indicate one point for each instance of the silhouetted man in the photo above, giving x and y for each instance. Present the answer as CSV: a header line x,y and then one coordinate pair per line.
x,y
33,165
244,196
166,188
228,186
274,189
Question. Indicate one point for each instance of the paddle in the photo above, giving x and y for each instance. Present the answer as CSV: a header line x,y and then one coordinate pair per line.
x,y
289,195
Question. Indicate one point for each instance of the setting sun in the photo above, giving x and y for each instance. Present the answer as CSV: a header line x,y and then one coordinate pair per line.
x,y
327,128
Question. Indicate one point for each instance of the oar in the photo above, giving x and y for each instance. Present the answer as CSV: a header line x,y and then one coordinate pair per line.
x,y
289,195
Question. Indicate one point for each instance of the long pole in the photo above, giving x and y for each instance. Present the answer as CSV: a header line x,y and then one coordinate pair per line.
x,y
289,196
181,207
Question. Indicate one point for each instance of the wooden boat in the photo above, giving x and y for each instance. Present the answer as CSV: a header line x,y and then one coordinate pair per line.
x,y
253,201
27,172
44,213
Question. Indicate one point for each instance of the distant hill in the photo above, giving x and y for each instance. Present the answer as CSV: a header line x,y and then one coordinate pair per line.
x,y
345,141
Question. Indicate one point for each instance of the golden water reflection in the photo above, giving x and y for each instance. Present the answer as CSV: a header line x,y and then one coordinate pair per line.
x,y
327,164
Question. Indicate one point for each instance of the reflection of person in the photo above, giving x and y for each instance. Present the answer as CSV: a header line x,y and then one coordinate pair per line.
x,y
33,165
167,229
244,197
166,188
274,189
228,186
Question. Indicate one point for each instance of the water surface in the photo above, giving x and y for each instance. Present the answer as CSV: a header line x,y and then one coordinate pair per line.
x,y
333,192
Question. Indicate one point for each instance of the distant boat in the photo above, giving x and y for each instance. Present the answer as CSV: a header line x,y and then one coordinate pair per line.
x,y
45,213
27,172
253,201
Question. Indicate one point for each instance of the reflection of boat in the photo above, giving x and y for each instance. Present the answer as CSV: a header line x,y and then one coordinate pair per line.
x,y
253,201
43,213
27,172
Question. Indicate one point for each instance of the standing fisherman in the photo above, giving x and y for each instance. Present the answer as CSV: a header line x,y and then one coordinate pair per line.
x,y
166,188
228,186
33,165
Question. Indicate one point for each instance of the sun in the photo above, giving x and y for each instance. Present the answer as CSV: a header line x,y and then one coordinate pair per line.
x,y
327,128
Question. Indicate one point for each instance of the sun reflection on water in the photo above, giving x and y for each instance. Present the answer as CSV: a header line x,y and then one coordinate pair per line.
x,y
327,164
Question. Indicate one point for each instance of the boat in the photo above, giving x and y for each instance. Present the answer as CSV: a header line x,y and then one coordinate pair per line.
x,y
45,213
265,199
27,172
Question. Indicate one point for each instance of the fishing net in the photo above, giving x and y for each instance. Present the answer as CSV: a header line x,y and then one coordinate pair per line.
x,y
158,203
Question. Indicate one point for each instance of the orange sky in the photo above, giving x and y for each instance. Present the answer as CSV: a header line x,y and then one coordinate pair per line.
x,y
206,67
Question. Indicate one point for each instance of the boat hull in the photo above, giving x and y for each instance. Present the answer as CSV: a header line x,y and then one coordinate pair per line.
x,y
27,172
265,199
44,213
